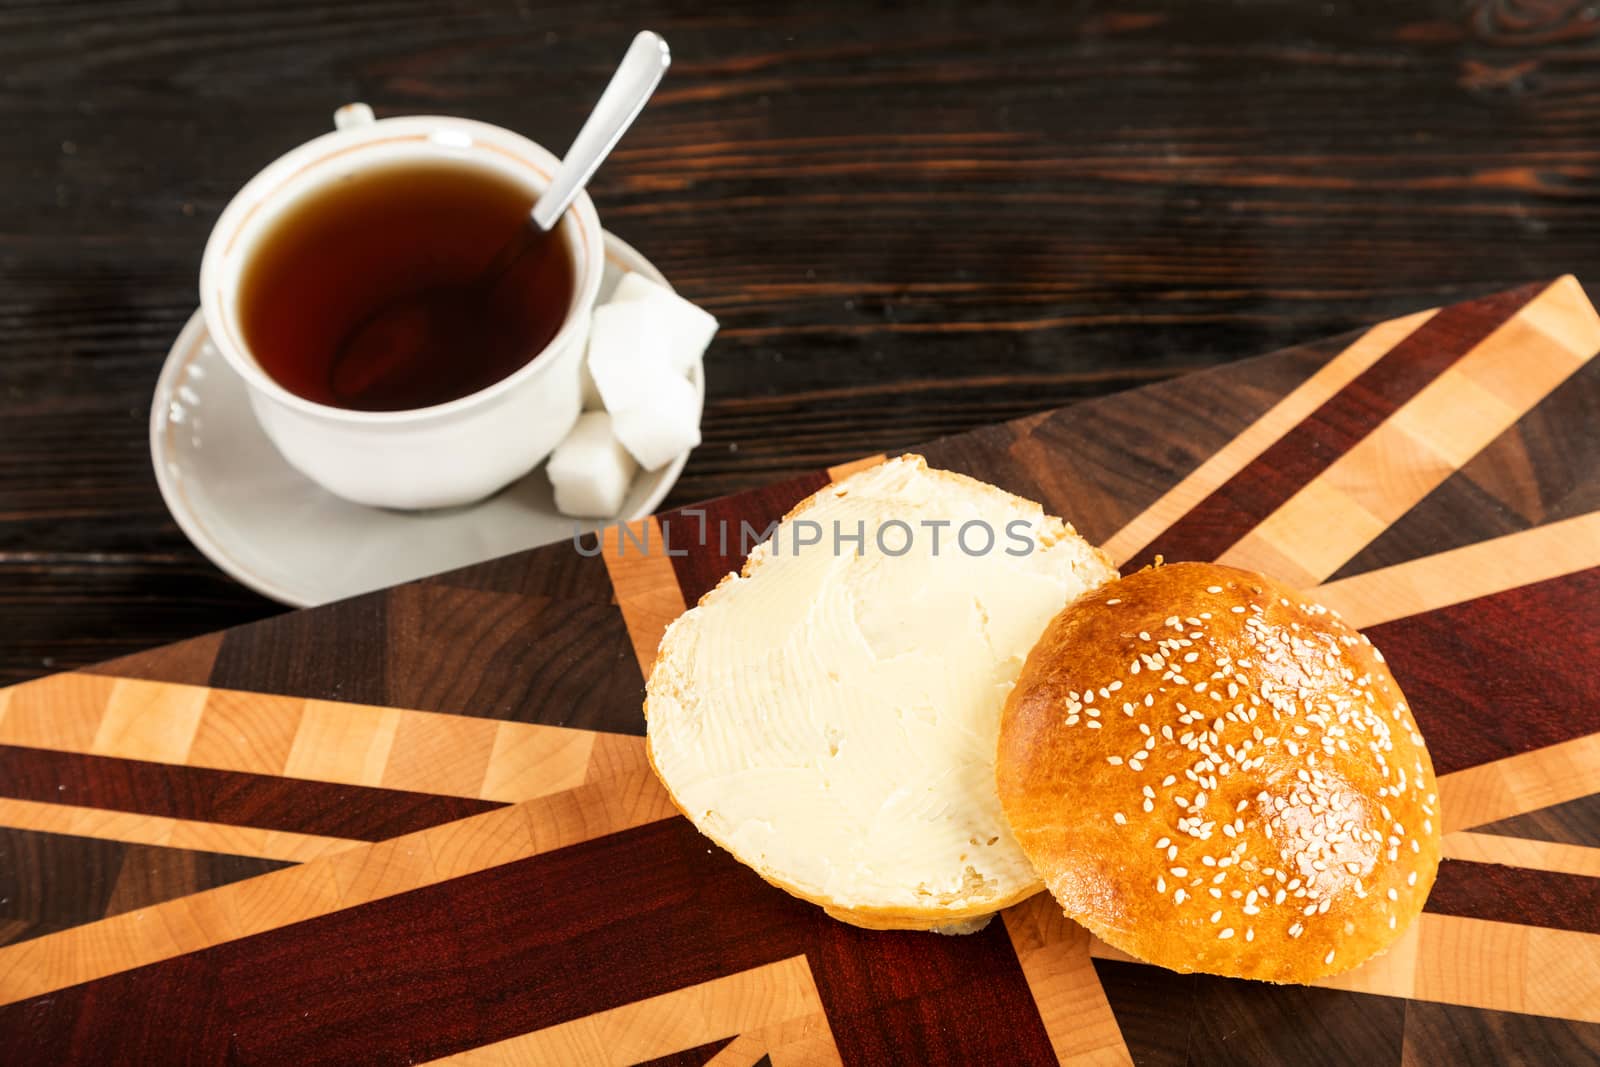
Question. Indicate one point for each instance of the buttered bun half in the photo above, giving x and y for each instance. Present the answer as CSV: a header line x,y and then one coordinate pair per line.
x,y
830,718
1213,773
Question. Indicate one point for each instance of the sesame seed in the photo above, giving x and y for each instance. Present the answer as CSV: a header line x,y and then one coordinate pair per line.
x,y
1163,842
1179,895
1393,895
1329,957
1411,879
1161,884
1149,806
1115,761
1249,933
1113,602
1226,933
1216,916
1180,872
1296,930
1213,588
1118,818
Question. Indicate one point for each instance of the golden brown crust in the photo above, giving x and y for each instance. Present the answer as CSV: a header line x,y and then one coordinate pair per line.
x,y
1213,773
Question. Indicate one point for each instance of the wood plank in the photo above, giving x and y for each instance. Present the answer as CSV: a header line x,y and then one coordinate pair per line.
x,y
646,585
1463,574
1536,971
1519,784
1447,422
1244,449
1054,953
325,741
1520,852
331,883
750,1003
1308,450
193,834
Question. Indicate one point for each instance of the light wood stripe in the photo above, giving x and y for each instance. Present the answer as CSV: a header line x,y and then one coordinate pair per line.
x,y
1054,954
330,883
743,1051
645,585
1553,856
1454,577
190,834
319,740
1519,784
774,1007
1266,431
855,466
1476,963
1432,435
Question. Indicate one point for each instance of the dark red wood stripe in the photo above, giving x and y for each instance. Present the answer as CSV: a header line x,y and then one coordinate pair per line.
x,y
51,882
1516,895
1502,674
704,560
233,797
535,943
1213,525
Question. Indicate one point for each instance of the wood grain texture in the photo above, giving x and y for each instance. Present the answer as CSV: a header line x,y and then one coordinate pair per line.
x,y
1488,847
771,1009
1573,822
271,742
499,931
907,232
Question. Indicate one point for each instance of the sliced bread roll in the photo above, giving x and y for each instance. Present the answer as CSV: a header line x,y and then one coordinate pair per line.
x,y
830,715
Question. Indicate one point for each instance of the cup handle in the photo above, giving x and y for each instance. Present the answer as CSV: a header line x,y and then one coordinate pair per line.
x,y
352,116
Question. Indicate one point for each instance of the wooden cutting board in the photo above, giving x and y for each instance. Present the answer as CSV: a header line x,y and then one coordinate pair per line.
x,y
419,823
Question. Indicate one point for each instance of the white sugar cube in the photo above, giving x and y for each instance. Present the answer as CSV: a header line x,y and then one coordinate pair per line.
x,y
665,426
590,469
688,329
625,350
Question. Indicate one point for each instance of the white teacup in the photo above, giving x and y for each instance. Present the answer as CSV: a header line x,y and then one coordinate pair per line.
x,y
452,453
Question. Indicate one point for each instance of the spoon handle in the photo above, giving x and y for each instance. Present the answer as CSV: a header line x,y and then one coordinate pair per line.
x,y
637,77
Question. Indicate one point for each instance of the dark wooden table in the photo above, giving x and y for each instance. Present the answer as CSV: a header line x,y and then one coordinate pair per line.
x,y
910,223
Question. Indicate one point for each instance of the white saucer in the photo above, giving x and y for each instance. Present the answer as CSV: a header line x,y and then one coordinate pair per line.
x,y
266,525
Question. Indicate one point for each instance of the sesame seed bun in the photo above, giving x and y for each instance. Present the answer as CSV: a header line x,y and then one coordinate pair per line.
x,y
1213,773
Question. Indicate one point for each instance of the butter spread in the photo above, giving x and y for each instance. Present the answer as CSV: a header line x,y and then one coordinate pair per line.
x,y
831,717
